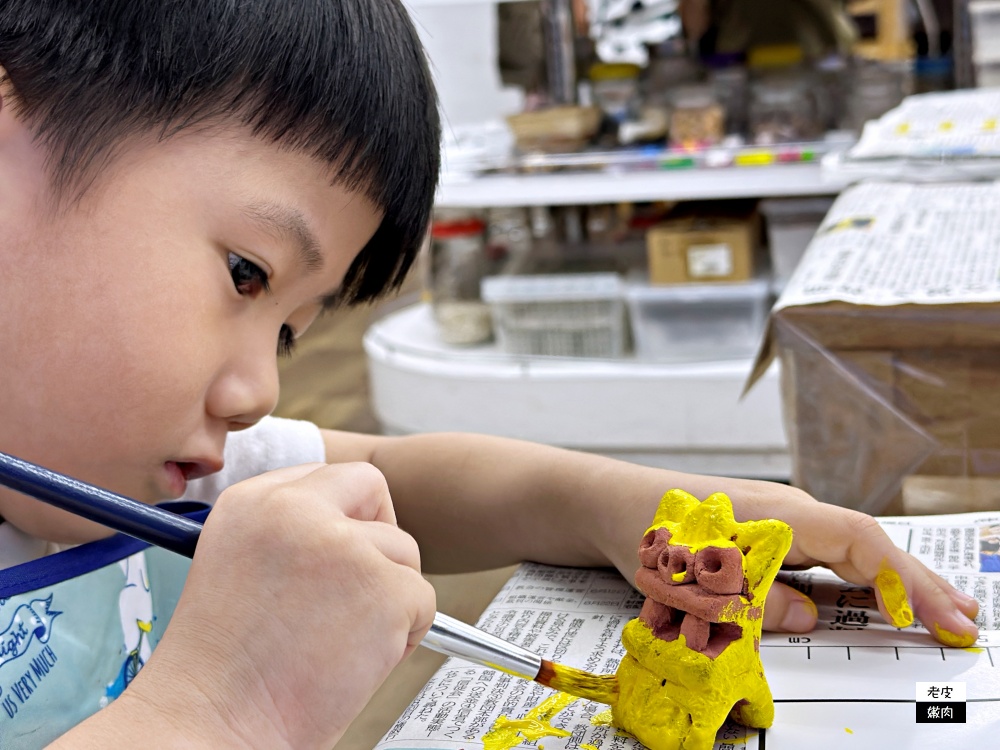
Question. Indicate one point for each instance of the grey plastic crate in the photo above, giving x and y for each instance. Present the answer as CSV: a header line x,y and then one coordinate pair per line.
x,y
697,322
563,315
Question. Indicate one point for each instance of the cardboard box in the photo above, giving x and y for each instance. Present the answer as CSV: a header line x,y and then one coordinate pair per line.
x,y
702,247
875,392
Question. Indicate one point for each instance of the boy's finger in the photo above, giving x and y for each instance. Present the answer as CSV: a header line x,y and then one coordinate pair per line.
x,y
968,605
358,490
852,542
393,543
423,608
788,611
936,608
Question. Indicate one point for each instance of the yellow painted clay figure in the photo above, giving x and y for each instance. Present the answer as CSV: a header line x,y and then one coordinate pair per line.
x,y
692,656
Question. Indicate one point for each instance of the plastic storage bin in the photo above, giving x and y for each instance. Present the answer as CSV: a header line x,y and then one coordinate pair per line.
x,y
697,322
569,315
791,224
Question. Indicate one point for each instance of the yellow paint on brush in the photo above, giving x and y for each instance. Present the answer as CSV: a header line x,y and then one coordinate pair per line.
x,y
508,733
955,640
673,697
893,592
601,688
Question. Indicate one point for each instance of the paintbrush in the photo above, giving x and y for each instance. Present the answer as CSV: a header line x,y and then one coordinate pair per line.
x,y
180,534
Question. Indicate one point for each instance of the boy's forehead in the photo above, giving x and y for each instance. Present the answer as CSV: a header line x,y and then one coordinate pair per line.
x,y
229,160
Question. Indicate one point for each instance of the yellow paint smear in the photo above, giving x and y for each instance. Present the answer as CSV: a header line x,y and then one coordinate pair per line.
x,y
602,719
673,697
893,592
508,733
848,730
955,640
588,746
974,650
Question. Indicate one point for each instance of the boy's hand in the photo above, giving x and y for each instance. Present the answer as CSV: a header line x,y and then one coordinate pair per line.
x,y
854,546
303,595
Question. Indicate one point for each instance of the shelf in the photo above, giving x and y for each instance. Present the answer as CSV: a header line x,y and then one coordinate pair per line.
x,y
687,416
578,188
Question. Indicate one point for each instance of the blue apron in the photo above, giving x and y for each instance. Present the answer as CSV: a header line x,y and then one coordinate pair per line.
x,y
76,627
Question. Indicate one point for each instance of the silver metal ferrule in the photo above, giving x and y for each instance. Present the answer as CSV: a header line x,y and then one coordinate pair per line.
x,y
454,638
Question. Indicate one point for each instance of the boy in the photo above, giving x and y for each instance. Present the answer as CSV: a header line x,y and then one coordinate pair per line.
x,y
184,186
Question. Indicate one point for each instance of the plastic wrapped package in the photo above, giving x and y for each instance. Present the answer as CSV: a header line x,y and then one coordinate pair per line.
x,y
888,336
873,395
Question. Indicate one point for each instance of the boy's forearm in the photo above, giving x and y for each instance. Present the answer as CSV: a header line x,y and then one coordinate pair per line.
x,y
475,501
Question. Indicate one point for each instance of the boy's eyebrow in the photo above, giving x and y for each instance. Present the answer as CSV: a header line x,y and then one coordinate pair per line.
x,y
288,222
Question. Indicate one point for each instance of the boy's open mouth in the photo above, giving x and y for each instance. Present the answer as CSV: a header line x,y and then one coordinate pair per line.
x,y
179,473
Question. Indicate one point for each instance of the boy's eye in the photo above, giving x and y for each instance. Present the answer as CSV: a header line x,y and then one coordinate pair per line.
x,y
248,278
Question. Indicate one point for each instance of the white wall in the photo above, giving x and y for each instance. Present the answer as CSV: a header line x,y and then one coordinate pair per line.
x,y
461,43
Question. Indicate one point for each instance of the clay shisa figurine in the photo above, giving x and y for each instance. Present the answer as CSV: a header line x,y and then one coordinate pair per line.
x,y
693,654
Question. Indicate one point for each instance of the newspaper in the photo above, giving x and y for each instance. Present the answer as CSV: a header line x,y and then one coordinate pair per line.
x,y
928,138
963,123
893,243
851,681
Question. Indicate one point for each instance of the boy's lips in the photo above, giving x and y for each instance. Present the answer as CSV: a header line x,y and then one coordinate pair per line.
x,y
179,473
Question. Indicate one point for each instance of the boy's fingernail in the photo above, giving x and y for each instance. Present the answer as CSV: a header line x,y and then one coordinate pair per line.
x,y
961,596
800,616
961,634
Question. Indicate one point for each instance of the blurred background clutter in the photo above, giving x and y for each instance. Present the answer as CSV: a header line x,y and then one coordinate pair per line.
x,y
743,237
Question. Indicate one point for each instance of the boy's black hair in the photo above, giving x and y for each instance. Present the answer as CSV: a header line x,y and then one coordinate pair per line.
x,y
343,80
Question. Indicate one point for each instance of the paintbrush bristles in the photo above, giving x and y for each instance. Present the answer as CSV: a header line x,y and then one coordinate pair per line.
x,y
602,688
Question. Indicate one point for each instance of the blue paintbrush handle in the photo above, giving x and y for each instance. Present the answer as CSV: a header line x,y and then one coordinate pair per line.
x,y
144,522
179,534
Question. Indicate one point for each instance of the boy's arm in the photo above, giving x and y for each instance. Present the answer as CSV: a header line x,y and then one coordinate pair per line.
x,y
475,501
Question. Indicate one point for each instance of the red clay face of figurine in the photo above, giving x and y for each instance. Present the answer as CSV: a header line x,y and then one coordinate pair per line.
x,y
686,593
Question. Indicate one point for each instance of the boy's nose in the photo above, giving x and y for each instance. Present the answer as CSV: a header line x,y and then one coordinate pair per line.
x,y
246,391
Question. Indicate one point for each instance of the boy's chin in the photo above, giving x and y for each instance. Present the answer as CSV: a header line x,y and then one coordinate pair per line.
x,y
53,525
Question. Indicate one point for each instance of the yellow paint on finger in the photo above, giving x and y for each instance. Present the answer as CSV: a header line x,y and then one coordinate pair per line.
x,y
893,592
508,733
955,640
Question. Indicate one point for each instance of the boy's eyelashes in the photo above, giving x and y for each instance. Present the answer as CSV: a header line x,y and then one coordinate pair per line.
x,y
286,341
250,280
